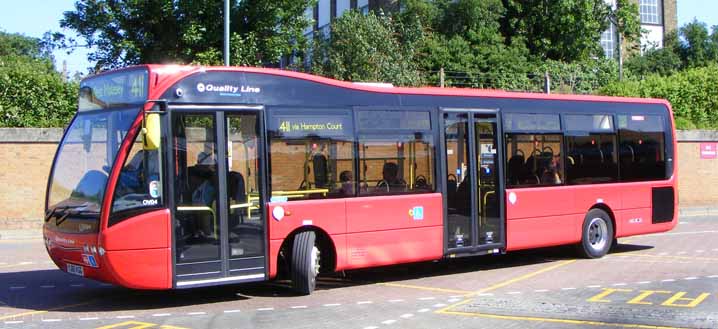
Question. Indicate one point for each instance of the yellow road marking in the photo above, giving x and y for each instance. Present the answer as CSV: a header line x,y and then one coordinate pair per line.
x,y
673,257
499,285
564,321
129,325
24,314
400,285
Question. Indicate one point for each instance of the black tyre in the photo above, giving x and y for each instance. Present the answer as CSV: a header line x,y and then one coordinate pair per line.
x,y
596,234
305,263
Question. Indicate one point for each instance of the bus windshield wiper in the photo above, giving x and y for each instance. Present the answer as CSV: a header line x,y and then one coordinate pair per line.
x,y
65,210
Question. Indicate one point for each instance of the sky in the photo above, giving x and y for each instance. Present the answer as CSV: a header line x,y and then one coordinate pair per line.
x,y
35,17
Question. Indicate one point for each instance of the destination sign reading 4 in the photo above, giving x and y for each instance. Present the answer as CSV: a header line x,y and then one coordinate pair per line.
x,y
299,126
107,90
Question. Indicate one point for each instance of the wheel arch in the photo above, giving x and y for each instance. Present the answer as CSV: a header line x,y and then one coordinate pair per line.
x,y
611,215
326,244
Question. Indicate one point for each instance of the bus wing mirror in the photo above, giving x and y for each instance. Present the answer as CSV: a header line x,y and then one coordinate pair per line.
x,y
151,132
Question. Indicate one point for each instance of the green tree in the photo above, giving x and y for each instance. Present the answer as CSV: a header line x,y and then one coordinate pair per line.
x,y
32,93
185,31
698,47
367,48
565,30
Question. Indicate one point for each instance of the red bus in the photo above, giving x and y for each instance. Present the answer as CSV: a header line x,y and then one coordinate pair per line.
x,y
178,176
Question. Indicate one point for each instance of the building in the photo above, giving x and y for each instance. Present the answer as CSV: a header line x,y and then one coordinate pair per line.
x,y
658,18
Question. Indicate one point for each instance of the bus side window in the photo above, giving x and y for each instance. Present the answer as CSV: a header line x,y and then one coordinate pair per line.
x,y
309,153
534,160
642,147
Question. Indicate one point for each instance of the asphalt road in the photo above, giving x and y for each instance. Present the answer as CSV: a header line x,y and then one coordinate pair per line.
x,y
657,281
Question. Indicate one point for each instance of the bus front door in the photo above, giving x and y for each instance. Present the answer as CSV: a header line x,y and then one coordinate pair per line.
x,y
217,186
473,189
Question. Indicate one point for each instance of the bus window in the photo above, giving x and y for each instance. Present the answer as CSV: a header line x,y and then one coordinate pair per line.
x,y
534,159
395,164
642,147
139,183
591,149
312,155
591,159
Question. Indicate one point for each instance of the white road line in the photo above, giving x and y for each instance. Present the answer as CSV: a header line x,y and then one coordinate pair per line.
x,y
406,316
89,319
51,320
423,310
388,322
396,300
299,306
332,305
457,296
568,288
690,278
663,254
17,287
618,284
681,253
3,263
365,302
426,298
668,280
162,314
371,327
26,263
232,311
716,249
593,286
486,294
453,300
197,313
439,305
14,322
125,317
712,276
263,309
49,286
700,251
644,282
514,292
541,290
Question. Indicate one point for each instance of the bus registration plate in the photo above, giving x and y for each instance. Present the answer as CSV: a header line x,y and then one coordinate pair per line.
x,y
75,269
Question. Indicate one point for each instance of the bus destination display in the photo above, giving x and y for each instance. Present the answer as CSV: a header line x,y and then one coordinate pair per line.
x,y
104,91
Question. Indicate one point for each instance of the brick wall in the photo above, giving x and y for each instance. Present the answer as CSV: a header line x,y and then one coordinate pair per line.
x,y
27,155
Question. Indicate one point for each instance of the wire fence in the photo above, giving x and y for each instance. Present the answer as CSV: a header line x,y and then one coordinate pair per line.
x,y
566,83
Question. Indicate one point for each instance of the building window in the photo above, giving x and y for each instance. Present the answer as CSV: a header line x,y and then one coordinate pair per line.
x,y
608,42
650,11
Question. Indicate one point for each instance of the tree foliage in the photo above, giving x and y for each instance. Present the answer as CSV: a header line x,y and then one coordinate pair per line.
x,y
32,93
185,31
371,47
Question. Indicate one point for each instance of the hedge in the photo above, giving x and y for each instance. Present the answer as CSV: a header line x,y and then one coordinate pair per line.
x,y
693,93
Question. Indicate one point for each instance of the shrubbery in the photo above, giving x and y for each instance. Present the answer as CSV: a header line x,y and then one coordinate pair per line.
x,y
693,94
32,94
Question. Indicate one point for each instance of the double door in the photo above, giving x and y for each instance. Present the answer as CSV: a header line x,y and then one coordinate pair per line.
x,y
217,179
474,191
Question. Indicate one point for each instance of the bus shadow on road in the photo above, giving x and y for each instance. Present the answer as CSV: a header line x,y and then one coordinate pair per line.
x,y
59,291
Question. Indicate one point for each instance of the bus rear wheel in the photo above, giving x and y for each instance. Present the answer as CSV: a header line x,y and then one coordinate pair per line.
x,y
305,262
597,234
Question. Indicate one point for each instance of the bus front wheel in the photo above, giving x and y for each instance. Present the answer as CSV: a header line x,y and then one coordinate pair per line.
x,y
597,234
305,262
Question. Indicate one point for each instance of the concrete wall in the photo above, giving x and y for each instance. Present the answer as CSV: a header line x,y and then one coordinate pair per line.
x,y
27,155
